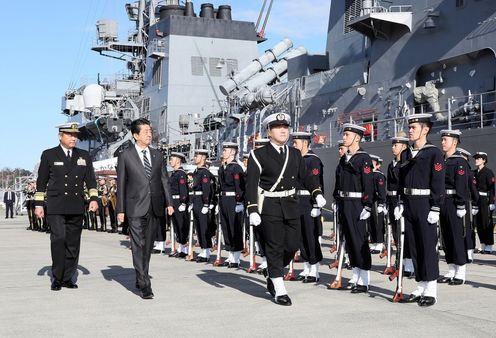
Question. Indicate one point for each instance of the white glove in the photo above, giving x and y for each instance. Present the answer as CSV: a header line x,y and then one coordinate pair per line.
x,y
216,211
380,209
398,211
475,211
492,207
320,201
211,206
433,217
239,207
334,206
255,219
365,214
181,207
461,212
190,207
385,211
315,212
204,210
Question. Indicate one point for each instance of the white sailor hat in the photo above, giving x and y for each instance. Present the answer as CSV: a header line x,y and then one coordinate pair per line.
x,y
340,143
247,155
455,133
178,155
464,152
201,151
480,154
262,141
230,145
277,119
301,135
398,139
420,118
70,127
355,128
376,158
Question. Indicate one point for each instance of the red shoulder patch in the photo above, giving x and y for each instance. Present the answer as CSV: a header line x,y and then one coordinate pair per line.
x,y
474,181
365,197
182,181
492,179
438,167
205,180
236,176
366,169
461,172
315,171
381,182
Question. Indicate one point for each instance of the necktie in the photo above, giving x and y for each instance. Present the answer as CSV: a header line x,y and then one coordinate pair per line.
x,y
281,151
69,154
148,167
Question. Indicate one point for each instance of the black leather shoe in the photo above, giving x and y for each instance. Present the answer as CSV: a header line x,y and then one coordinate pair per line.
x,y
156,251
225,263
283,300
270,287
301,278
411,299
456,281
426,301
349,286
147,293
56,285
175,254
408,274
201,259
69,285
263,272
375,252
310,279
233,265
359,289
487,252
444,280
181,255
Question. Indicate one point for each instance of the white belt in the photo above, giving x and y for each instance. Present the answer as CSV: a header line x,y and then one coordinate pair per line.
x,y
450,192
352,194
196,193
304,193
392,193
284,193
176,197
228,193
416,192
482,193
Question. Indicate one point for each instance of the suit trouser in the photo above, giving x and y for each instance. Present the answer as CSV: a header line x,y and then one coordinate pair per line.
x,y
282,240
231,223
102,215
310,230
202,222
9,207
454,232
180,222
65,240
376,221
422,238
484,222
142,234
113,220
355,233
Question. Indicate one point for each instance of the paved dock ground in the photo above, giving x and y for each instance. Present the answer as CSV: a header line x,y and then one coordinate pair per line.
x,y
195,300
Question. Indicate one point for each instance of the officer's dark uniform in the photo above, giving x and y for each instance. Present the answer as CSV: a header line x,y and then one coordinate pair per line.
x,y
102,191
29,192
474,200
455,229
422,189
62,179
379,200
232,190
178,183
201,197
485,187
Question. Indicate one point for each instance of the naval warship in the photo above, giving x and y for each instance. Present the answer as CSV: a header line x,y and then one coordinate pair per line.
x,y
200,80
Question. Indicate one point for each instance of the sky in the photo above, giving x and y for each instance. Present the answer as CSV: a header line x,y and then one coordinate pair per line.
x,y
47,50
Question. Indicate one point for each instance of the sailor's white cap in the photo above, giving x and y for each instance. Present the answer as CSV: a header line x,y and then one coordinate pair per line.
x,y
301,135
355,128
261,141
230,145
376,158
201,151
451,133
420,118
398,139
178,155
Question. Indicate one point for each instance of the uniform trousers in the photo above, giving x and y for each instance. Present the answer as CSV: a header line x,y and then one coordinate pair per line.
x,y
231,223
202,222
310,249
454,230
484,222
376,226
180,222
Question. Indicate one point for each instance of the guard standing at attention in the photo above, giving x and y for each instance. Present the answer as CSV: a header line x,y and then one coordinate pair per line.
x,y
62,173
485,186
379,207
275,171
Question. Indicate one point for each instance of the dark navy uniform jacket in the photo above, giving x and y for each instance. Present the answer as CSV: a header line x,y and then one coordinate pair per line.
x,y
232,178
355,175
474,194
178,183
485,182
424,171
393,173
315,170
379,188
458,178
202,181
63,181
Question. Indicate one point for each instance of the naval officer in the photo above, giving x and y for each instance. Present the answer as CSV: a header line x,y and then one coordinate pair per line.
x,y
485,186
62,174
274,173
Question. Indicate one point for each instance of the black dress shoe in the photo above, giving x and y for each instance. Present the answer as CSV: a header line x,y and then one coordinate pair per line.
x,y
349,286
181,255
411,299
408,274
359,289
263,272
444,280
301,278
310,279
270,287
426,301
69,285
283,300
147,293
174,254
56,285
456,281
233,265
156,251
225,263
375,252
201,259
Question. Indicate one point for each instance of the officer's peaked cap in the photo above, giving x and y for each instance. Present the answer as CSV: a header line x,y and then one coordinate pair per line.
x,y
277,119
70,127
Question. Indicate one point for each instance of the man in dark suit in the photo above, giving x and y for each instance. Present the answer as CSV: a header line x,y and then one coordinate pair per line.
x,y
9,200
62,174
142,196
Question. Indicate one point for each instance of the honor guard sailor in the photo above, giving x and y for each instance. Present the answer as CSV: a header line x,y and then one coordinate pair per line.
x,y
274,173
178,183
354,190
231,207
62,174
454,226
485,186
310,219
422,191
378,207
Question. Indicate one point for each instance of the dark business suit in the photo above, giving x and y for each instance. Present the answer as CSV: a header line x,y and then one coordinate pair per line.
x,y
143,199
9,203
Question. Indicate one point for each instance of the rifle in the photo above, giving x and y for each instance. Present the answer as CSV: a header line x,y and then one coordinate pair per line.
x,y
218,259
337,282
253,263
389,268
334,248
291,274
398,294
172,240
191,254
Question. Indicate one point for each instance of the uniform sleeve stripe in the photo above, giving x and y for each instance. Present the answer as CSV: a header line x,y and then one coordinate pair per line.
x,y
93,193
39,196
